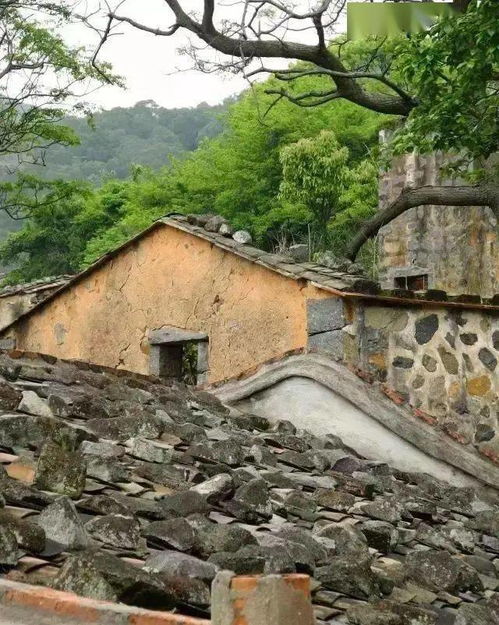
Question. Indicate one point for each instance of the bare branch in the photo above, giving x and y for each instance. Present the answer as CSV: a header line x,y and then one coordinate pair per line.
x,y
235,43
317,97
155,31
317,19
104,38
291,74
15,67
323,7
288,74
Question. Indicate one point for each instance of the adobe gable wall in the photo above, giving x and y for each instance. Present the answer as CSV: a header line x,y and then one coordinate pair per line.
x,y
173,278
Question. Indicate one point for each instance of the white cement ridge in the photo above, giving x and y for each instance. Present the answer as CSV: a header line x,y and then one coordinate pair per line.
x,y
467,466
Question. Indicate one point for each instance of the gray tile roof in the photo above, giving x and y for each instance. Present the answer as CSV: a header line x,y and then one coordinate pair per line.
x,y
341,282
153,487
284,265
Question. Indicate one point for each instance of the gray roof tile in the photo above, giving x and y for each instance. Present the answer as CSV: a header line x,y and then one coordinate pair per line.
x,y
198,489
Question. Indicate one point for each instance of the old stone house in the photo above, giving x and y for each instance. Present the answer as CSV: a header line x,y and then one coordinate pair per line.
x,y
177,283
416,373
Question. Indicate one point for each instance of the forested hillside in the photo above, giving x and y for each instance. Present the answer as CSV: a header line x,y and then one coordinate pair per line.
x,y
111,142
285,173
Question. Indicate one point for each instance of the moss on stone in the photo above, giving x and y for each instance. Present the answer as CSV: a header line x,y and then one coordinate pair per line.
x,y
61,471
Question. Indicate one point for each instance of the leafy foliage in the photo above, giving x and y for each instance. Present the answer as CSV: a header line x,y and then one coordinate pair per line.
x,y
115,140
454,70
238,174
54,238
285,173
38,74
49,243
315,174
137,203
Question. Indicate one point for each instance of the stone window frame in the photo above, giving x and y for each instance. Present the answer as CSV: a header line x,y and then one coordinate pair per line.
x,y
394,274
408,282
166,352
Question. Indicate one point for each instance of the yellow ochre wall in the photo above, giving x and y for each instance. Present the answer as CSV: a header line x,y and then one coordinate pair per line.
x,y
173,278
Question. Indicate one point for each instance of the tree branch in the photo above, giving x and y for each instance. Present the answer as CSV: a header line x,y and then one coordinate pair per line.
x,y
209,10
104,38
320,97
320,31
247,49
292,14
288,75
155,31
482,195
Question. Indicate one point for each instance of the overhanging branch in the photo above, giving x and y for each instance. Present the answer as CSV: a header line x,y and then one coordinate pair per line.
x,y
480,195
155,31
306,100
238,46
291,74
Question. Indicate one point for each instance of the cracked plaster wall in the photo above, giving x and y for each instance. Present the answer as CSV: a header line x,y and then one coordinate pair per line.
x,y
315,407
173,278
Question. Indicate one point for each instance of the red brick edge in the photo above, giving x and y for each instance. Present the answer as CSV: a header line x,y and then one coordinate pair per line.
x,y
68,605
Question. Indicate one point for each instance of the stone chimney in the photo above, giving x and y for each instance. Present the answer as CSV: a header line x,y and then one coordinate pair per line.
x,y
454,249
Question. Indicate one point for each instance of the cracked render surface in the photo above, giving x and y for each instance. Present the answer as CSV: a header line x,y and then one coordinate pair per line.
x,y
123,488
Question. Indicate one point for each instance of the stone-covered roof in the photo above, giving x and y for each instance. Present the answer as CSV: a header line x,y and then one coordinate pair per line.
x,y
336,275
341,278
35,287
120,487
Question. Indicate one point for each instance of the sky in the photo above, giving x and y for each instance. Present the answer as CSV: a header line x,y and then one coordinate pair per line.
x,y
149,63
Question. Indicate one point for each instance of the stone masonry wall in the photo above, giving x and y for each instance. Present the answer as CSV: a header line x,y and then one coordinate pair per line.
x,y
443,362
456,247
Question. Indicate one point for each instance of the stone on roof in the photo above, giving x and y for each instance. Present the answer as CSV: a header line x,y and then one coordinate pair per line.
x,y
40,285
168,486
329,272
338,276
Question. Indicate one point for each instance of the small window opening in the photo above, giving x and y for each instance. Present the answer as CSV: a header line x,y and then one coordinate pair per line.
x,y
179,355
412,283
